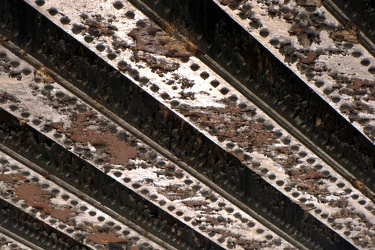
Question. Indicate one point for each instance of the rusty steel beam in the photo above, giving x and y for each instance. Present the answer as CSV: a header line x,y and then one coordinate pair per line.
x,y
71,169
126,100
255,72
21,100
360,15
180,134
11,240
33,230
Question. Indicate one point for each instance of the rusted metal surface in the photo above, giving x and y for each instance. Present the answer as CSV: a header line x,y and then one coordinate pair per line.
x,y
326,54
279,88
161,180
92,182
34,230
359,14
238,153
85,132
38,196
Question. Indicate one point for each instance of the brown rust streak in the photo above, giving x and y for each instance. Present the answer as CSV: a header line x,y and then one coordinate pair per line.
x,y
226,2
61,214
310,3
119,150
306,180
358,83
34,196
349,35
11,178
255,137
102,238
310,58
153,39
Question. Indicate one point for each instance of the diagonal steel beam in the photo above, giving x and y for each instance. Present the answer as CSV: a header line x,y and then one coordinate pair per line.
x,y
9,239
161,131
255,72
94,184
352,14
27,227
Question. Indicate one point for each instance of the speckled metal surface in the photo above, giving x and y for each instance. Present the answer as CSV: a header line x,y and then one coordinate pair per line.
x,y
38,196
84,131
34,230
165,68
326,54
243,61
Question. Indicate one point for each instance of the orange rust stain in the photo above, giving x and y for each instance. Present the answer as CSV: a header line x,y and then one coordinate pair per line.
x,y
42,73
7,178
119,150
359,184
34,196
11,178
358,83
102,238
61,214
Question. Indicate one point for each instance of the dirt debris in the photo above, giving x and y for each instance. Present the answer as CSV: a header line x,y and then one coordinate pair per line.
x,y
307,179
155,62
195,203
151,38
249,134
350,35
96,25
177,192
305,174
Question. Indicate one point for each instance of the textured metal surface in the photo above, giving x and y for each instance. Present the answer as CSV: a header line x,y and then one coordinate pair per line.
x,y
9,241
263,74
254,150
359,14
97,185
83,130
23,110
135,117
34,230
51,200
